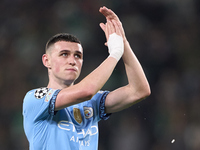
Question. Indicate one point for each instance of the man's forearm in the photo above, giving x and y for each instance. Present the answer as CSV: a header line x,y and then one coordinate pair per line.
x,y
135,74
97,78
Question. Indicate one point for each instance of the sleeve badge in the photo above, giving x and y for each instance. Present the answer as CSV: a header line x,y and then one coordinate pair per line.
x,y
88,112
41,92
77,115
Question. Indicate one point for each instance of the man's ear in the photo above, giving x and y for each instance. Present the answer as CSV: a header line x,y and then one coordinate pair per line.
x,y
46,61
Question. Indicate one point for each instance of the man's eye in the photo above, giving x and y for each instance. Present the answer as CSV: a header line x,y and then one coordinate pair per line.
x,y
77,56
64,54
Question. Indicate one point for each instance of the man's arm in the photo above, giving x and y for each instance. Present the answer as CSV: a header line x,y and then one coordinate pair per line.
x,y
138,86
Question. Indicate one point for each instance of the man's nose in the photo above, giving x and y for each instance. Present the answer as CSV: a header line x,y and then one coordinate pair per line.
x,y
71,60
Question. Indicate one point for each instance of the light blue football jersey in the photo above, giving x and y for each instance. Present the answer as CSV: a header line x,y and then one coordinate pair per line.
x,y
72,128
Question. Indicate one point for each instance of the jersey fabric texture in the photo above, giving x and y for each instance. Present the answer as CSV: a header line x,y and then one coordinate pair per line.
x,y
72,128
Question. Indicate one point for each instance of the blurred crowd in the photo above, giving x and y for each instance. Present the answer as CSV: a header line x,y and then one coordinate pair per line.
x,y
164,35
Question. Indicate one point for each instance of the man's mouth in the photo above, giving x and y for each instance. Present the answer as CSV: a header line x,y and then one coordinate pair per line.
x,y
71,69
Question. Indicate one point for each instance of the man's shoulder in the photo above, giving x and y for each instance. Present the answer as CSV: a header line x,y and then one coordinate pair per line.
x,y
38,92
38,100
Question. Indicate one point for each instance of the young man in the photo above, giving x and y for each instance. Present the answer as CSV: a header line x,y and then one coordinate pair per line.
x,y
65,116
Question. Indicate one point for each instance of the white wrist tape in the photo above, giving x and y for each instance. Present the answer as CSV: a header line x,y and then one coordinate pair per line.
x,y
115,46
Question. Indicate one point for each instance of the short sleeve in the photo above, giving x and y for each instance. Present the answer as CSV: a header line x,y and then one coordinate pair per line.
x,y
39,103
98,104
38,110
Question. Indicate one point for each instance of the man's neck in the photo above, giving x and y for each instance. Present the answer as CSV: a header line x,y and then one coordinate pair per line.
x,y
59,85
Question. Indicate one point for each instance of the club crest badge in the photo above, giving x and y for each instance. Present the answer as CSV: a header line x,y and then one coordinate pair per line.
x,y
41,92
77,115
88,111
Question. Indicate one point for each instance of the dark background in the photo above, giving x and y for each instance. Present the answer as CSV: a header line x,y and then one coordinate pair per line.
x,y
164,35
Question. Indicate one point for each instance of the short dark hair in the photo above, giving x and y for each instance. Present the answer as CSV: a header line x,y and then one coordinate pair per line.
x,y
61,37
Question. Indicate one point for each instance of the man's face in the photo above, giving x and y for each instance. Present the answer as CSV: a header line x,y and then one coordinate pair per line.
x,y
66,60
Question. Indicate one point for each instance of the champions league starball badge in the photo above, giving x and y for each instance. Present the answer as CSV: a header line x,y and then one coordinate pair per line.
x,y
41,92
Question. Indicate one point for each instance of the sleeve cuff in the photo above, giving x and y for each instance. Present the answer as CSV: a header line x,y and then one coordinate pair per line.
x,y
52,103
103,115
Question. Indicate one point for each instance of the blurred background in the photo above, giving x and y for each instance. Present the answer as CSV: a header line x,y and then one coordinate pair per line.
x,y
164,35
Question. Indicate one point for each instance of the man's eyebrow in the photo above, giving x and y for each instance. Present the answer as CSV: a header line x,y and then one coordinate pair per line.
x,y
64,51
79,52
68,51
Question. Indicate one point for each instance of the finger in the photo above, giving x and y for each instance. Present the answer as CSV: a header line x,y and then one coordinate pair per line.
x,y
108,13
103,10
103,26
106,31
